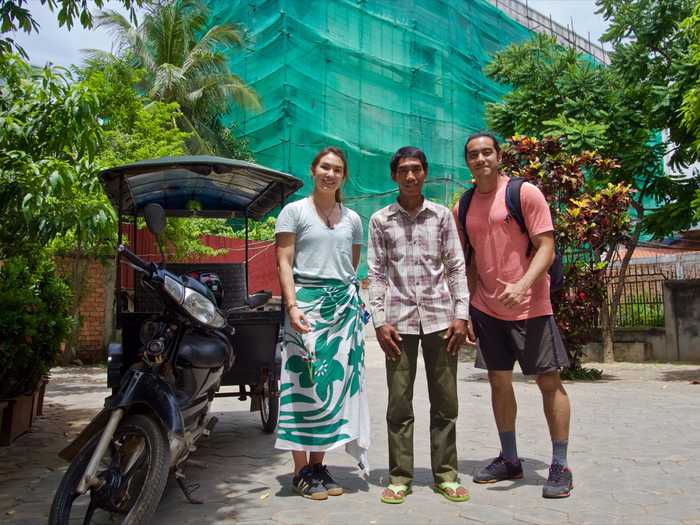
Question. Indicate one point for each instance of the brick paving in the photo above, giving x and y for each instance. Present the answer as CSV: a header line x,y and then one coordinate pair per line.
x,y
633,450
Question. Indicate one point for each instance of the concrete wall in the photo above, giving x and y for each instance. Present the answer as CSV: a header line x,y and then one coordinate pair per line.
x,y
682,310
633,345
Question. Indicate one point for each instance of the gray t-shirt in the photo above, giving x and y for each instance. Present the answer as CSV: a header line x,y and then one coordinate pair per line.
x,y
319,251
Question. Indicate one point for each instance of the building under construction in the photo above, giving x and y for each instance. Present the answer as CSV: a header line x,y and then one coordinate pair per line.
x,y
371,76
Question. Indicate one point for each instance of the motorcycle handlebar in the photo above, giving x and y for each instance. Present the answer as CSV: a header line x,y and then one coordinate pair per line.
x,y
134,259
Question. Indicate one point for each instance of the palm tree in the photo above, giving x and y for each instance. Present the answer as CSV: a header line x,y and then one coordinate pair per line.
x,y
186,62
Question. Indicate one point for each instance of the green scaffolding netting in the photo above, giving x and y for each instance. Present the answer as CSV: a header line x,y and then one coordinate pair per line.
x,y
369,76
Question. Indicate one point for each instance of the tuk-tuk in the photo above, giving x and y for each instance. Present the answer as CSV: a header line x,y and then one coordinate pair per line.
x,y
207,187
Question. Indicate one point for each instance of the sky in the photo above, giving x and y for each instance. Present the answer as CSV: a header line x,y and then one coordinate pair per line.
x,y
62,47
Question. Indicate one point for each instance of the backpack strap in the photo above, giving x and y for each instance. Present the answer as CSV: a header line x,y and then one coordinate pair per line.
x,y
515,207
464,202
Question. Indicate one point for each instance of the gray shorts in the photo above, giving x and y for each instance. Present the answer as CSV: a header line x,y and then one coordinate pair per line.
x,y
535,343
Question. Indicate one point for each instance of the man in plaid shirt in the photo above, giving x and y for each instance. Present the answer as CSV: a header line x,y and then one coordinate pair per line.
x,y
418,294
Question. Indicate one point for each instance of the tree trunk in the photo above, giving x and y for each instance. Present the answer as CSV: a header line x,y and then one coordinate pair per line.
x,y
609,310
607,331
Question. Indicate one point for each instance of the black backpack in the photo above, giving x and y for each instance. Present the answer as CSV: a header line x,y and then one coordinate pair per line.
x,y
556,270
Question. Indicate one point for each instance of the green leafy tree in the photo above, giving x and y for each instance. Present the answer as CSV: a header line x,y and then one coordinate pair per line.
x,y
652,54
559,93
690,109
649,47
49,135
185,61
15,15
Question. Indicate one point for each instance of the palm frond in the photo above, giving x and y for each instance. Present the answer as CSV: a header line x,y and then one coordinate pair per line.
x,y
225,35
167,83
130,39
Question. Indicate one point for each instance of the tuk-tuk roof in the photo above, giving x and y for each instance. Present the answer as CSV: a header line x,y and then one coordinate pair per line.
x,y
213,186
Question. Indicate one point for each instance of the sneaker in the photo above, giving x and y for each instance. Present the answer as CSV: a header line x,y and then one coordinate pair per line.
x,y
559,483
499,469
306,484
321,474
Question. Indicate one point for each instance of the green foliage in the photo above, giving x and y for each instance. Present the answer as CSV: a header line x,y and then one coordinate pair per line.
x,y
577,135
258,230
14,16
690,109
49,136
185,61
152,135
34,320
636,311
649,54
135,128
183,236
581,373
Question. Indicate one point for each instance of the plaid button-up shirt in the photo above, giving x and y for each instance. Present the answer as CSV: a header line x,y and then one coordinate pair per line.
x,y
416,271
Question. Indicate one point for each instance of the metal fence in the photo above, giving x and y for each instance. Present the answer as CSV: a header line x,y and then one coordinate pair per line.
x,y
642,299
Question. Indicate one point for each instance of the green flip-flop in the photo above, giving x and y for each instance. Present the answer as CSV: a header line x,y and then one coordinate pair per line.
x,y
446,486
397,497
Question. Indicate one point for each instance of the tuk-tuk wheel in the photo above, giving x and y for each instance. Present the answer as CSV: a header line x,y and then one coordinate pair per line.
x,y
269,405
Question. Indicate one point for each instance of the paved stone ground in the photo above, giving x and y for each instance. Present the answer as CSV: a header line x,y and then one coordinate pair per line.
x,y
633,451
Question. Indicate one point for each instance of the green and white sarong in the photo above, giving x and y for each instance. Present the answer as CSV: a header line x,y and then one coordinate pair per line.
x,y
323,392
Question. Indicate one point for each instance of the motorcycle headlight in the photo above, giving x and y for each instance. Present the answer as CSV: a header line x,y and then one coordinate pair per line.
x,y
198,306
174,289
202,309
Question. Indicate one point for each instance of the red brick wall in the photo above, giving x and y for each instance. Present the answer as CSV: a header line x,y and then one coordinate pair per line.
x,y
92,310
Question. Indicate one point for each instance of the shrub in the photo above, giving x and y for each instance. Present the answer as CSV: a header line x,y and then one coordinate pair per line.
x,y
34,320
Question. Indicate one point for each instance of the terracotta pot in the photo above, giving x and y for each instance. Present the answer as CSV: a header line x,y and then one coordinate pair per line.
x,y
38,408
16,417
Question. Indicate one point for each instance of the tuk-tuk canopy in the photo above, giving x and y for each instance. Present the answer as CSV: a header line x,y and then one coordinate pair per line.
x,y
198,185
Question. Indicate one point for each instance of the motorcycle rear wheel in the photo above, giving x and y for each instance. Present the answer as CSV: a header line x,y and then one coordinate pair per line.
x,y
139,442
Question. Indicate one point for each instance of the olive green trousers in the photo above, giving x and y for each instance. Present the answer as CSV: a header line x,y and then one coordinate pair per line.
x,y
441,372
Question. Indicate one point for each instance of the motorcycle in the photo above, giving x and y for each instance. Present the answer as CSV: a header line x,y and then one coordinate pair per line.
x,y
159,408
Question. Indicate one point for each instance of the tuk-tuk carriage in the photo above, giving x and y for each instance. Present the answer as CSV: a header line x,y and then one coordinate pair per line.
x,y
207,187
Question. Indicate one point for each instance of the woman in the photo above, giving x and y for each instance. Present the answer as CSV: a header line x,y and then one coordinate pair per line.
x,y
323,396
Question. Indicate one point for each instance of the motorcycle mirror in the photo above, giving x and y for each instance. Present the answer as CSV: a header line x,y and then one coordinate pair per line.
x,y
155,218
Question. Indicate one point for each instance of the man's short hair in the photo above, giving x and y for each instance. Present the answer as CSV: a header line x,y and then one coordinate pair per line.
x,y
408,152
480,134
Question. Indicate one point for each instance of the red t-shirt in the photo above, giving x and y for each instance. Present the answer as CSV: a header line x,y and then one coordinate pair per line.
x,y
500,250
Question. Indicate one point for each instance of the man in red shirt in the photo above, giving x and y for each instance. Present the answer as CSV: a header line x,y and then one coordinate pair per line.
x,y
511,311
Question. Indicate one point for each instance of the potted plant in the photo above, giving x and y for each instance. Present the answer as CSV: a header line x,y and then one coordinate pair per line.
x,y
34,319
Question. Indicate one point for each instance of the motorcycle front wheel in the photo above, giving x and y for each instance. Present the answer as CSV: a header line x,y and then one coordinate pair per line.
x,y
132,473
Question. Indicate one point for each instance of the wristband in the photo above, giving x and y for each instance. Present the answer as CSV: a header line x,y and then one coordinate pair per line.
x,y
290,306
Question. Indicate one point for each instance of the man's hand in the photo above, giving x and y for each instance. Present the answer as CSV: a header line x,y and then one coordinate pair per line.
x,y
513,293
298,320
471,336
455,335
389,340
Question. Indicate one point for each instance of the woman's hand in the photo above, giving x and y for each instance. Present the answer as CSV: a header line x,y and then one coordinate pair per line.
x,y
298,320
